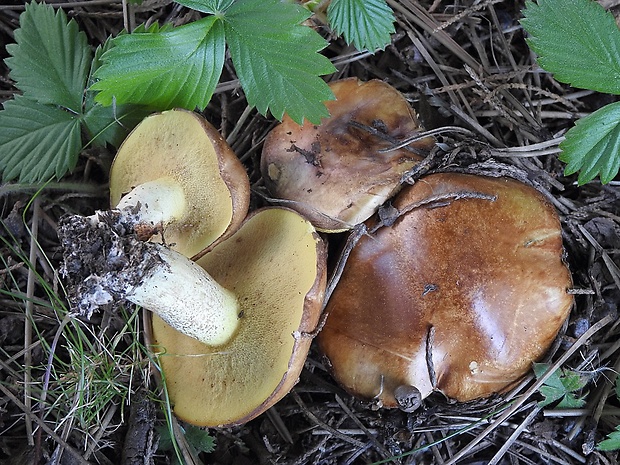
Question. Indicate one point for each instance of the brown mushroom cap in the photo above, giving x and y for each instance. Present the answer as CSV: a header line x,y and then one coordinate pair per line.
x,y
182,148
333,173
460,297
275,265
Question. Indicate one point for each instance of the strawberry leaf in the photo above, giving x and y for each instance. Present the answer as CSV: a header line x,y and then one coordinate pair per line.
x,y
576,40
612,442
214,7
277,59
367,24
37,142
110,124
560,388
50,59
178,67
592,145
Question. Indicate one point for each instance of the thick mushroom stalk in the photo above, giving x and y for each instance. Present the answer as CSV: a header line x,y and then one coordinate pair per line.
x,y
184,295
152,205
104,266
276,266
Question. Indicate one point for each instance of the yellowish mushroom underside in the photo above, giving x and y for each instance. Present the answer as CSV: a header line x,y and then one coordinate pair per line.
x,y
273,265
180,147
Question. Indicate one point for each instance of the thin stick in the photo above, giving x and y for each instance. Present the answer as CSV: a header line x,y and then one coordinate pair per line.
x,y
314,419
28,320
514,436
371,437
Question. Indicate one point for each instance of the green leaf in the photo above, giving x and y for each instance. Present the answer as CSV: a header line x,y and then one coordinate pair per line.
x,y
178,67
277,59
576,40
207,6
612,442
200,439
109,124
592,146
367,24
51,58
560,386
37,142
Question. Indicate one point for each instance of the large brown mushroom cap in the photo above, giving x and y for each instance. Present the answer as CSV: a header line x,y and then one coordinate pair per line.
x,y
333,173
275,265
182,148
459,297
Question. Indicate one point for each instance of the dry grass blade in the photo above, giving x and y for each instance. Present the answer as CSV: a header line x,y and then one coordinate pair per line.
x,y
76,454
28,320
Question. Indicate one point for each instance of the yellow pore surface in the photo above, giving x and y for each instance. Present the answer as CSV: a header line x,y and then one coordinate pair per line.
x,y
176,145
271,266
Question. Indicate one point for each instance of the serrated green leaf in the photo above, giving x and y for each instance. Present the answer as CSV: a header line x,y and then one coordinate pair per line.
x,y
37,142
560,386
367,24
612,442
576,40
566,400
277,59
109,124
592,146
200,439
179,67
207,6
50,59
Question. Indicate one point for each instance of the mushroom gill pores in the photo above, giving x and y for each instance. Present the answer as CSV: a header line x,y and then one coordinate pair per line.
x,y
275,266
461,294
336,173
183,179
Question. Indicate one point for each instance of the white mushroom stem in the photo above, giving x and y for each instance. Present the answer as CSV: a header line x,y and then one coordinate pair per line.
x,y
188,299
169,285
105,267
154,202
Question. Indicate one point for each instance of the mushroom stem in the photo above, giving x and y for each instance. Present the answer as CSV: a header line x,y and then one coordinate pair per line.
x,y
106,267
151,205
187,298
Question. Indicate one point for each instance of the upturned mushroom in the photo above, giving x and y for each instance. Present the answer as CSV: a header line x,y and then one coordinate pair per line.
x,y
174,180
274,266
460,295
231,331
179,182
338,173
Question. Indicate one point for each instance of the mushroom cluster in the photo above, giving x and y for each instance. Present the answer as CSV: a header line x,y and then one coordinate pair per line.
x,y
231,329
458,289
